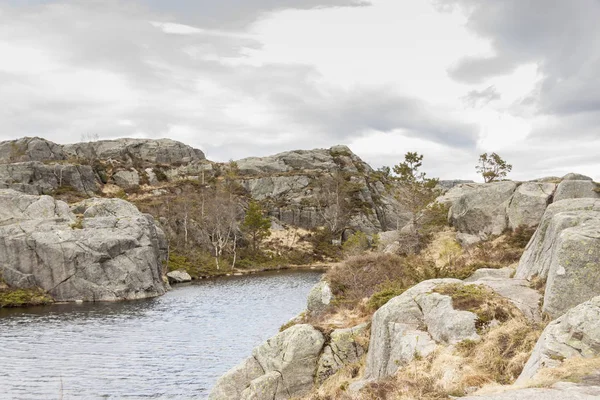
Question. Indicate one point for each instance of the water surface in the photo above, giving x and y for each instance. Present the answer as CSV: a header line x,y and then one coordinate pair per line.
x,y
171,347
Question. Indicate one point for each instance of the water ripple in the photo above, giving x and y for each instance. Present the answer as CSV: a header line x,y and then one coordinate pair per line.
x,y
172,347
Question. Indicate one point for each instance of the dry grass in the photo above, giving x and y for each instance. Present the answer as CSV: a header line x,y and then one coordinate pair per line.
x,y
480,300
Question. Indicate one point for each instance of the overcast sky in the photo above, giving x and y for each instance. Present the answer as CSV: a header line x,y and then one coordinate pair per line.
x,y
450,79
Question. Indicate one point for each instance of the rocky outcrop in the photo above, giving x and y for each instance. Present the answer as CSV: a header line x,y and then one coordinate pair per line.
x,y
281,368
528,204
575,334
344,348
565,251
110,251
576,189
294,186
35,177
30,149
482,210
412,324
127,179
136,151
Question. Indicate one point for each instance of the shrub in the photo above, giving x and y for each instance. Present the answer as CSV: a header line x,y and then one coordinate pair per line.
x,y
160,175
356,244
24,297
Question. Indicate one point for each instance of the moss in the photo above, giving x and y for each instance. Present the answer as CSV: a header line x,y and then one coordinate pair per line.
x,y
388,291
24,297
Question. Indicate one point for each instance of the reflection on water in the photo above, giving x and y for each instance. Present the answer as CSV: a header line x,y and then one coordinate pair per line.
x,y
171,347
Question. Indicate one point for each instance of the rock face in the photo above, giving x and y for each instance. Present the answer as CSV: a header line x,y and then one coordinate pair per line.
x,y
291,183
30,149
528,203
130,151
281,368
575,334
127,179
482,210
413,323
319,298
35,177
576,189
344,348
110,252
565,250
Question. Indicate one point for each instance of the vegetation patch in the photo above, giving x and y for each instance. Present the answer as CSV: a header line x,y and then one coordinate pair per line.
x,y
481,301
24,297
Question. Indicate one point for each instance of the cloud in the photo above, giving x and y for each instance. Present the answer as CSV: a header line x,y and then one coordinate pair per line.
x,y
480,98
560,37
117,70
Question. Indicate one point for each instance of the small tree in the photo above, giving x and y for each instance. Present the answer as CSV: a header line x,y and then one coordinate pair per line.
x,y
416,192
492,167
256,225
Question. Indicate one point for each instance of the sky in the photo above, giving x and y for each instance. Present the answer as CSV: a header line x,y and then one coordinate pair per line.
x,y
450,79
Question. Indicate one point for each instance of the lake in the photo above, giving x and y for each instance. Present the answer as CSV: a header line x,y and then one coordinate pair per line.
x,y
171,347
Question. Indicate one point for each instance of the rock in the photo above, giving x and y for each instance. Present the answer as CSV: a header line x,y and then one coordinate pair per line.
x,y
482,210
344,348
560,391
411,324
446,185
96,257
576,190
288,362
319,298
576,177
528,204
267,386
30,149
483,273
467,240
575,334
233,383
565,251
127,180
179,276
152,179
131,151
517,291
37,178
295,182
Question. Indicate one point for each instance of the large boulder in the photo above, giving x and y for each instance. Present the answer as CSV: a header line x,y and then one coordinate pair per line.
x,y
482,210
576,189
565,251
109,252
127,179
344,348
136,151
528,204
413,324
285,367
575,334
179,276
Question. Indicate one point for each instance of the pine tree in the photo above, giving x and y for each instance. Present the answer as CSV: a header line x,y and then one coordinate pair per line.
x,y
256,225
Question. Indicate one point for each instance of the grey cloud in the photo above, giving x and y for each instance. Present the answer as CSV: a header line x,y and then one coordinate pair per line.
x,y
162,78
479,98
561,37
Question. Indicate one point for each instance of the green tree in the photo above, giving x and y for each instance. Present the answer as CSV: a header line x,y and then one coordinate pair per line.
x,y
256,225
415,192
492,167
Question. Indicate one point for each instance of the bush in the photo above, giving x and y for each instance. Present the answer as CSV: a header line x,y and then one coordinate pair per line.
x,y
388,291
356,244
520,237
24,297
